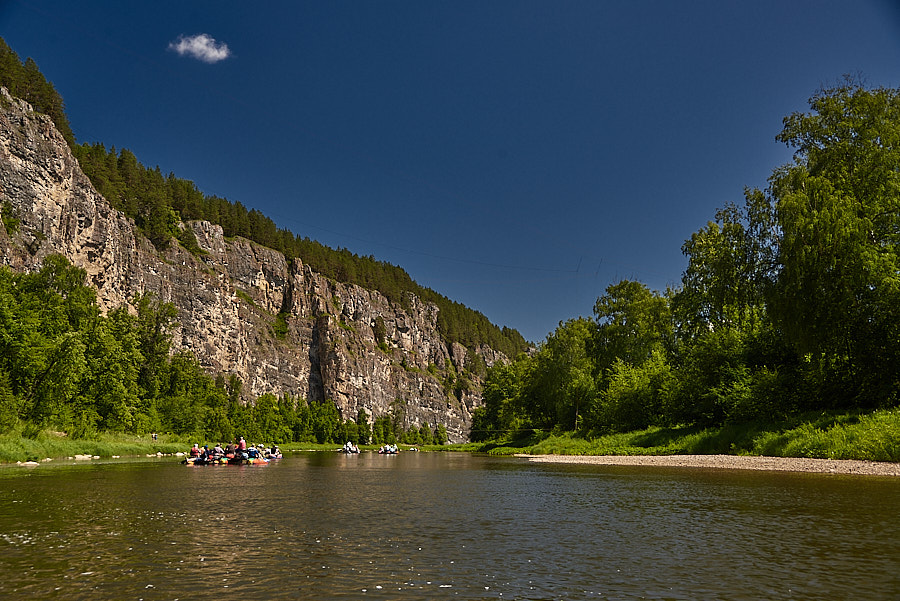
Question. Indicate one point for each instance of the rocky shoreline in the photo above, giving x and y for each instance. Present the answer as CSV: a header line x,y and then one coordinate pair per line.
x,y
734,462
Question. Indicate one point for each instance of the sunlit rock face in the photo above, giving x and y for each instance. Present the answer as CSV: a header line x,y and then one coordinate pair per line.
x,y
229,298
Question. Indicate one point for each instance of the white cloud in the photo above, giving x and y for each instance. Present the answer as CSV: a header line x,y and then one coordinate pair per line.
x,y
202,47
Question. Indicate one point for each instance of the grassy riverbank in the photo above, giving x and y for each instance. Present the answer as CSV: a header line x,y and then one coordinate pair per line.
x,y
54,445
871,436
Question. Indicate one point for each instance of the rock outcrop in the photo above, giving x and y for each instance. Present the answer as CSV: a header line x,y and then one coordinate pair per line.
x,y
243,309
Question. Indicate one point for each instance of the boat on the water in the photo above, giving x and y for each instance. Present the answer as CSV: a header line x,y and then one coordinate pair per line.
x,y
349,448
250,456
233,460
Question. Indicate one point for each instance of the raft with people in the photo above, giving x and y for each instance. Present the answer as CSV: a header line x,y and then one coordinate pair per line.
x,y
236,454
349,448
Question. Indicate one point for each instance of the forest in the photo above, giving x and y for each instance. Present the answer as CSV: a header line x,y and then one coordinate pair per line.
x,y
64,365
789,304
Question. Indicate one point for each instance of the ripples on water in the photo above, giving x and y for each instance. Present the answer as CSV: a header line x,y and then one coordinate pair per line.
x,y
435,526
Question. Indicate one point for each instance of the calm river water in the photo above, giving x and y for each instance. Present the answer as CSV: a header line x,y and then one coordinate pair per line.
x,y
439,526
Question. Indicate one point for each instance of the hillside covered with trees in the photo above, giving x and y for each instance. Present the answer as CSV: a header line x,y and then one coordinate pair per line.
x,y
65,365
790,302
158,202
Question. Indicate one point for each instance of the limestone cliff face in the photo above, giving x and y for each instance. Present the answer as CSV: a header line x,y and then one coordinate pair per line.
x,y
228,299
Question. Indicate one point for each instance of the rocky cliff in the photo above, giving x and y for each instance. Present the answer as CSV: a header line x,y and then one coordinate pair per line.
x,y
243,309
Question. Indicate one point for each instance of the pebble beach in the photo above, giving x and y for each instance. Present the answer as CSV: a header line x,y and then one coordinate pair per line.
x,y
734,462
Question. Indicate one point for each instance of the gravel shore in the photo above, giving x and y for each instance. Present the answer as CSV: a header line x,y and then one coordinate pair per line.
x,y
734,462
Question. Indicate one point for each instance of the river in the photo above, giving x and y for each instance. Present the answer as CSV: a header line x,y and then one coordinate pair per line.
x,y
442,526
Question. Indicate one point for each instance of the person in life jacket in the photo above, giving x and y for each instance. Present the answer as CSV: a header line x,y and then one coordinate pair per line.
x,y
195,450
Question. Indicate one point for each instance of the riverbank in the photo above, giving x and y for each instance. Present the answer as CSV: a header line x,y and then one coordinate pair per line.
x,y
734,462
55,446
867,436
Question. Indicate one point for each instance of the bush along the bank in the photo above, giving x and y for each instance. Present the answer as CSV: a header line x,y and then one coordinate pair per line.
x,y
790,303
868,436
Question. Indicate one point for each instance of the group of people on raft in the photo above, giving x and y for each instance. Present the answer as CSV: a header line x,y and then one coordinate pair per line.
x,y
236,453
387,449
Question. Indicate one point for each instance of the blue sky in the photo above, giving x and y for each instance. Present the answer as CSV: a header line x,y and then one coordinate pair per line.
x,y
515,156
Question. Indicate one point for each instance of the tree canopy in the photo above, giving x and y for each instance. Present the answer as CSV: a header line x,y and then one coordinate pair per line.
x,y
65,366
790,302
25,81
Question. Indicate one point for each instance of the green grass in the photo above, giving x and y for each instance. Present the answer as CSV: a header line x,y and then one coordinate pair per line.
x,y
15,447
872,436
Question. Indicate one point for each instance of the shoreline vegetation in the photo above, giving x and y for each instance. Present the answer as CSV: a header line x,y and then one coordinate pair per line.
x,y
865,443
855,435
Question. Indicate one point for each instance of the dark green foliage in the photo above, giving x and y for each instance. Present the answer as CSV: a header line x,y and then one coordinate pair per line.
x,y
383,431
425,435
9,405
25,81
349,431
475,364
440,434
189,241
326,422
379,331
788,303
505,403
632,323
154,321
837,294
10,221
363,430
280,327
727,273
63,365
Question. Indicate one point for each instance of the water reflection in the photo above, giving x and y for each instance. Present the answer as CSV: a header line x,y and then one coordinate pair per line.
x,y
432,526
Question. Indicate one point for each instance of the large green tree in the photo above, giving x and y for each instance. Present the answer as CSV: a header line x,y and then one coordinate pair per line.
x,y
725,280
503,411
837,207
562,381
632,322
